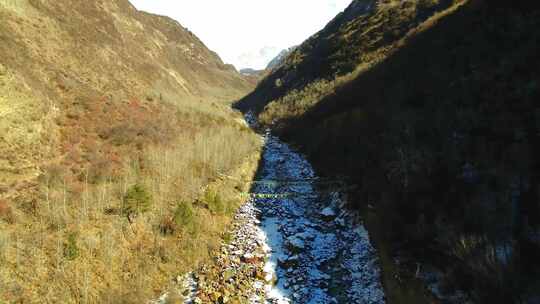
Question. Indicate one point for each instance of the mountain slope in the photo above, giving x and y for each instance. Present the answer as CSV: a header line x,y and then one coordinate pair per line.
x,y
113,123
279,59
58,58
355,39
438,128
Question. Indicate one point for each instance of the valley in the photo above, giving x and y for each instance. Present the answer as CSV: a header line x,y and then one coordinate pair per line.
x,y
391,157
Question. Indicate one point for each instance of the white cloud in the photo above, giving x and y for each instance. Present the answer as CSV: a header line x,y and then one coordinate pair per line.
x,y
248,33
258,58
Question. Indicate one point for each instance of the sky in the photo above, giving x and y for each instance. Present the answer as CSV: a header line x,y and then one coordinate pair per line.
x,y
248,33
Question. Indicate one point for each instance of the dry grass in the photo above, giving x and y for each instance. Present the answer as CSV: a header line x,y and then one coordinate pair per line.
x,y
94,98
70,69
114,259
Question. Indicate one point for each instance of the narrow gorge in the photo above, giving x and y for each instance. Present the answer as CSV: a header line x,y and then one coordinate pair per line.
x,y
152,151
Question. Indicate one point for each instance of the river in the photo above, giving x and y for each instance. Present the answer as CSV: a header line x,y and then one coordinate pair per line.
x,y
318,252
293,241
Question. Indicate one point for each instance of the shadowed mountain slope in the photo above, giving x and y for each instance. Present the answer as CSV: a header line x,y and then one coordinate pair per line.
x,y
356,38
438,127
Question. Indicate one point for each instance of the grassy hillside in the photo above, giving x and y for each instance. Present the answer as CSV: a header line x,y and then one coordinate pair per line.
x,y
115,127
440,133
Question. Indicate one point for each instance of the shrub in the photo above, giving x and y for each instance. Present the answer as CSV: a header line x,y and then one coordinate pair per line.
x,y
100,167
214,202
183,217
227,237
122,134
71,249
489,269
137,200
54,174
184,214
167,225
6,213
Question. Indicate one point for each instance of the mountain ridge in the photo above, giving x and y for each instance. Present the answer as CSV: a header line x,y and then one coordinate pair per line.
x,y
280,58
329,58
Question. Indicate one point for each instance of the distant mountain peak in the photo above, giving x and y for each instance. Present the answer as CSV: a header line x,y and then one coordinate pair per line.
x,y
280,58
251,72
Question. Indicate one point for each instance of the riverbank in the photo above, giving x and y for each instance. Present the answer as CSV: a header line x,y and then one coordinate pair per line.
x,y
292,242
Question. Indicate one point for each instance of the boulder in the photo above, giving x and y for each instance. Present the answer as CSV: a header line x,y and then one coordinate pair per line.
x,y
295,243
251,259
287,262
328,213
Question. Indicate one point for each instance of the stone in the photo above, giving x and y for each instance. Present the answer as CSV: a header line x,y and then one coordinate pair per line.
x,y
328,212
251,259
268,277
340,221
258,285
288,262
307,235
295,243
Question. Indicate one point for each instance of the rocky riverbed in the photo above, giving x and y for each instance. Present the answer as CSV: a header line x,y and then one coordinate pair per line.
x,y
319,252
292,242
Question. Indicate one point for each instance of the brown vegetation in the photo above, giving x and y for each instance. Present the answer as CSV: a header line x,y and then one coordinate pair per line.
x,y
6,213
79,245
95,98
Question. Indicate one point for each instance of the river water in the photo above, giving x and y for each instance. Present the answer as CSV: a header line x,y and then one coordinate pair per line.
x,y
317,251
